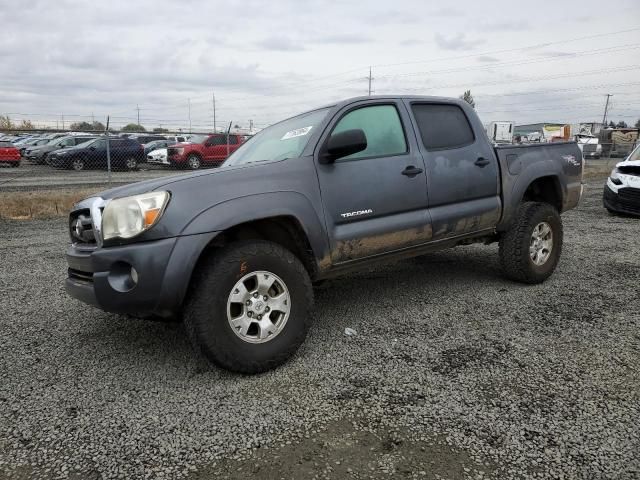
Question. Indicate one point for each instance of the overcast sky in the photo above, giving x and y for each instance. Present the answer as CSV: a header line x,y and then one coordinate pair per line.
x,y
523,61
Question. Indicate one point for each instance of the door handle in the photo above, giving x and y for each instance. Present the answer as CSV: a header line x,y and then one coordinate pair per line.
x,y
482,162
411,171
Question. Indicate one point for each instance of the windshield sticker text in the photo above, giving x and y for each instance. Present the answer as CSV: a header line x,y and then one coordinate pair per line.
x,y
298,132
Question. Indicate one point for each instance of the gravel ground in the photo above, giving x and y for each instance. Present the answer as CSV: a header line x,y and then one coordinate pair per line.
x,y
454,373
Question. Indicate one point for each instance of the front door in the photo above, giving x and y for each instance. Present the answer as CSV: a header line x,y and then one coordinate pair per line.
x,y
215,148
375,201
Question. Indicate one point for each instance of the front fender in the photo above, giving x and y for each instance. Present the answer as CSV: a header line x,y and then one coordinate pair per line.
x,y
230,213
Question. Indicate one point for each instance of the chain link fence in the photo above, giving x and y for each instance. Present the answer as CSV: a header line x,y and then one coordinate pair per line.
x,y
54,169
45,172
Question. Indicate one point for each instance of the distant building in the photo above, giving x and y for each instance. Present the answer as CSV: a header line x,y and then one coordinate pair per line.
x,y
540,132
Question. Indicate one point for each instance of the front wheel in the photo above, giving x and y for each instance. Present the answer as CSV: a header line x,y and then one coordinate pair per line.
x,y
260,312
193,162
131,163
78,164
530,249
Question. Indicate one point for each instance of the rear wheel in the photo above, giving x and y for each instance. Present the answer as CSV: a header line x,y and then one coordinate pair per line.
x,y
78,164
260,313
530,249
193,162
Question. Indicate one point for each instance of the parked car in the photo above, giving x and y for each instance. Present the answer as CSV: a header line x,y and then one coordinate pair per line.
x,y
156,144
178,138
330,191
39,154
32,142
589,145
622,190
125,153
9,154
158,156
202,150
145,138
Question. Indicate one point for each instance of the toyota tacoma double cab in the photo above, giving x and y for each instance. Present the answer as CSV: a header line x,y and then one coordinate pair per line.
x,y
235,251
203,149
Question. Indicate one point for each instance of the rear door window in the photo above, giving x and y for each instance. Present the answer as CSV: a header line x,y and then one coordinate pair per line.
x,y
442,126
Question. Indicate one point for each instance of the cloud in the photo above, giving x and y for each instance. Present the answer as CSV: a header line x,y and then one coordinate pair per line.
x,y
343,38
446,12
456,42
487,59
281,43
506,25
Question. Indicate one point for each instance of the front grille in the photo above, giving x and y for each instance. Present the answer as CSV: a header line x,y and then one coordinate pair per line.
x,y
81,227
589,148
629,194
627,199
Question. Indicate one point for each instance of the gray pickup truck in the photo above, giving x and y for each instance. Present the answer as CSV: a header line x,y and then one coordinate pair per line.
x,y
234,251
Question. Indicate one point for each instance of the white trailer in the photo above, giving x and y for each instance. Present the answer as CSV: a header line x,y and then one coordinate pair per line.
x,y
500,132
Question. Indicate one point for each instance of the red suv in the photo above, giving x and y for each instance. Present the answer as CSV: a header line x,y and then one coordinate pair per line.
x,y
203,149
9,154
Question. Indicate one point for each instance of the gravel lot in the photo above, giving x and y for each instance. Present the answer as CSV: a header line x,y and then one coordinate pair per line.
x,y
454,373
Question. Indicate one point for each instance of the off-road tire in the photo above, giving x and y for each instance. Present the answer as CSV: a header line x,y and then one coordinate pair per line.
x,y
514,244
205,312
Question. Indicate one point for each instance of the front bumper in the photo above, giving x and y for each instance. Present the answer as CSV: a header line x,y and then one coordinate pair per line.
x,y
105,278
625,200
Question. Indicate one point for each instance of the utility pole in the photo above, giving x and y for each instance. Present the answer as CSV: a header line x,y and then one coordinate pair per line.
x,y
250,126
63,121
92,118
189,115
370,80
606,107
138,109
213,98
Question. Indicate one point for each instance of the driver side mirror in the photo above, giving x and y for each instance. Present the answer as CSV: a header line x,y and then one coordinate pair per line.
x,y
343,144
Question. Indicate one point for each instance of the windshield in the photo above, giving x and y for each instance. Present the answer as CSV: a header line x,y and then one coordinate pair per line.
x,y
635,155
286,139
198,138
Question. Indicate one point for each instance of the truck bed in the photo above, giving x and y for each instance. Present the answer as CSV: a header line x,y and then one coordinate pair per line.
x,y
520,164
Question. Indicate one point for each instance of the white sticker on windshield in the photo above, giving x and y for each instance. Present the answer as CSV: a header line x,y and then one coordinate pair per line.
x,y
298,132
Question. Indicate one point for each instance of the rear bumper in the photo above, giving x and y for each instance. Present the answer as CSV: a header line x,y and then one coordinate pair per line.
x,y
149,278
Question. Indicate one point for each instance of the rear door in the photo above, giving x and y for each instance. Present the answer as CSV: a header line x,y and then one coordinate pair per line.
x,y
462,170
375,201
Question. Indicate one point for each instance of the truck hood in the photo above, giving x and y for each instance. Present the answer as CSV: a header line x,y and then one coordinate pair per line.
x,y
179,181
193,194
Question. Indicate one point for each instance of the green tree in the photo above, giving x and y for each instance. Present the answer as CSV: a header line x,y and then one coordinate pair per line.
x,y
621,124
638,124
26,125
87,127
133,127
160,130
467,97
611,124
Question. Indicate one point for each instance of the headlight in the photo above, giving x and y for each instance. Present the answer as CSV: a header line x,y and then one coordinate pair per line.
x,y
615,177
129,216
